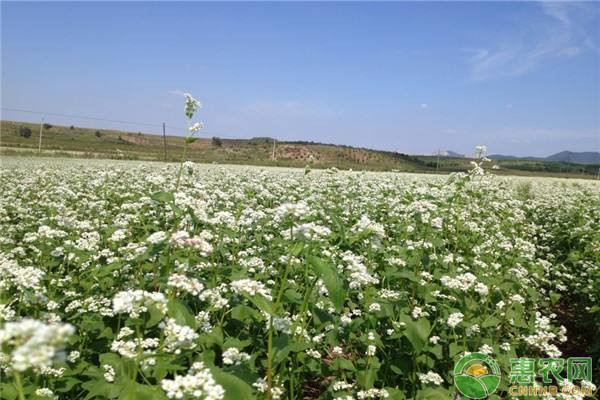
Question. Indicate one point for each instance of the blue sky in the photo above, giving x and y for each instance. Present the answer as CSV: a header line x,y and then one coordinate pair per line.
x,y
522,78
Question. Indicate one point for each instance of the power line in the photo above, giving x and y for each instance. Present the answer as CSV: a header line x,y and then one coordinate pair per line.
x,y
83,117
103,119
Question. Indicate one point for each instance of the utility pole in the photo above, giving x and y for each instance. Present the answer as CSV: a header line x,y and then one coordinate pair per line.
x,y
273,149
437,167
41,131
165,141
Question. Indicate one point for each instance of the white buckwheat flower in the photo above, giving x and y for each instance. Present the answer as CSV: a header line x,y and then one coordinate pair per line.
x,y
455,319
109,373
430,377
191,105
32,343
135,302
197,384
233,356
178,336
196,127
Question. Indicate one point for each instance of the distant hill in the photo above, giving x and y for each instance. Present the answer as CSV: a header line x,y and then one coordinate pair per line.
x,y
585,157
443,153
507,157
450,153
22,138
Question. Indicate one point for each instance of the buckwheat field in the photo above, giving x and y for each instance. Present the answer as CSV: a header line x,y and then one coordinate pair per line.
x,y
286,284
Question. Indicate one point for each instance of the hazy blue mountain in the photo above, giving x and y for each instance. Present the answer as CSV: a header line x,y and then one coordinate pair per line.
x,y
584,157
448,153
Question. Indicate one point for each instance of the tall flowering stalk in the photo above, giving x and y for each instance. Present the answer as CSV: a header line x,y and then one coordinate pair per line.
x,y
481,159
191,106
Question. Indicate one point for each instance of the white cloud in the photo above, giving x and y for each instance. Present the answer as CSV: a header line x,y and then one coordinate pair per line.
x,y
561,32
424,106
177,92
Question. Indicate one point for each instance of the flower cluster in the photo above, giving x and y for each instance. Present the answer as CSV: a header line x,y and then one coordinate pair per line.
x,y
32,343
375,282
135,302
198,383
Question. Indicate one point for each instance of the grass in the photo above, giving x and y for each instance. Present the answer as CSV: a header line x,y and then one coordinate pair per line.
x,y
70,141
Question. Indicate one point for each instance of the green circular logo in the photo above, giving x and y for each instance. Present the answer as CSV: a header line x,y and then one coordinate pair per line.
x,y
477,375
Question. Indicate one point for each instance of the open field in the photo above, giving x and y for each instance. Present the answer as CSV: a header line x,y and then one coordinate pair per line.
x,y
260,282
93,143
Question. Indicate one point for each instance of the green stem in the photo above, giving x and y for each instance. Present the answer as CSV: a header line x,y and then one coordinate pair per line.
x,y
185,145
270,340
414,375
19,386
270,361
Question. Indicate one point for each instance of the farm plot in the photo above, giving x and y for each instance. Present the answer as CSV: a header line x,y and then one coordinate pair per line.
x,y
272,283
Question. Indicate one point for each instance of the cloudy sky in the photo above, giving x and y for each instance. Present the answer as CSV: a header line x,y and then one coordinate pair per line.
x,y
522,78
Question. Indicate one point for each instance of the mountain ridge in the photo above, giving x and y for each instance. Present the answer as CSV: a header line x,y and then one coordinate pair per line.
x,y
22,138
575,157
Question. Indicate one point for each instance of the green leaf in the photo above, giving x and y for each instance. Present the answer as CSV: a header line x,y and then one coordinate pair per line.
x,y
106,333
180,313
235,388
321,316
216,334
554,297
409,275
68,384
280,348
433,394
8,391
417,332
367,378
163,197
330,277
342,363
243,313
262,303
401,365
395,394
137,391
456,348
156,316
490,321
100,389
436,350
293,296
297,249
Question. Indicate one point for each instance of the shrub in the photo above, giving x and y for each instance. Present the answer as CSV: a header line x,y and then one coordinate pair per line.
x,y
99,134
217,142
25,132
